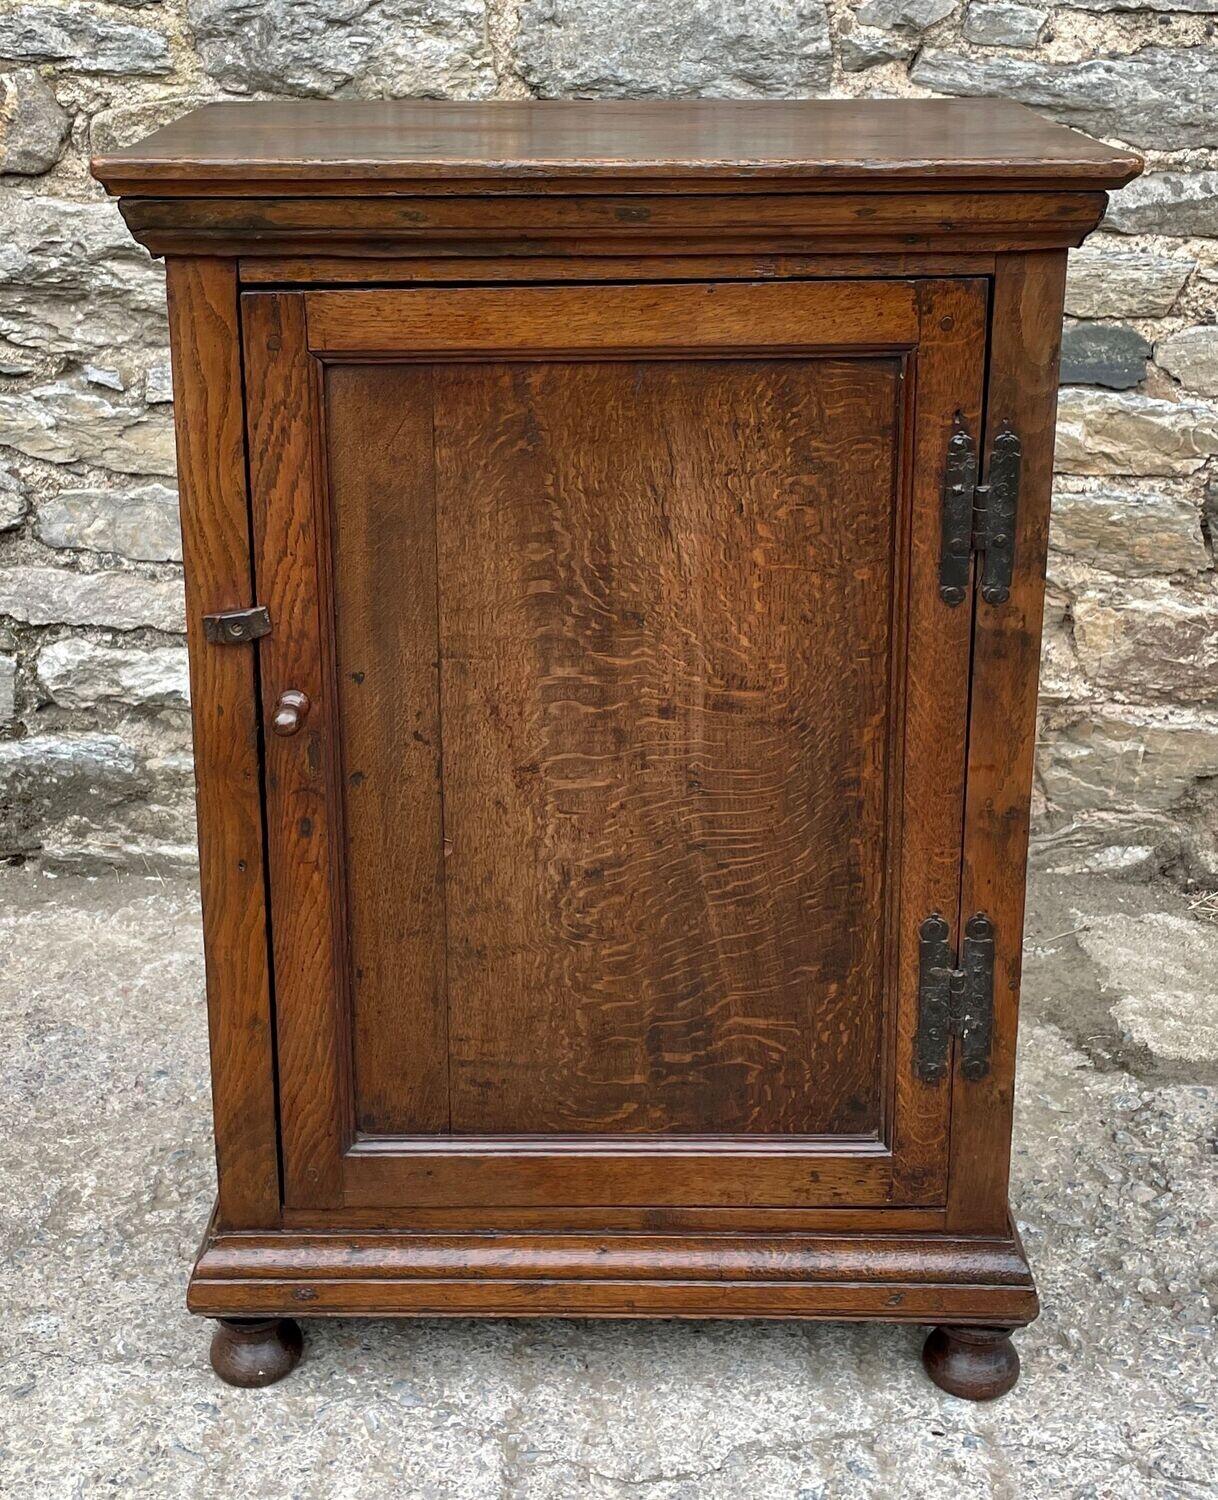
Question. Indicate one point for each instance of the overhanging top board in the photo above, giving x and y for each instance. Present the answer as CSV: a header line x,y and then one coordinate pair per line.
x,y
350,147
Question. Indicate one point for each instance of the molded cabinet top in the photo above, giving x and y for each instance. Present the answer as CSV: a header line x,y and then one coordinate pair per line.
x,y
357,147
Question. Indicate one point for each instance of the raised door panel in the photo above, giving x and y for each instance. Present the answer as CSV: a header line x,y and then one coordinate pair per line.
x,y
664,635
635,744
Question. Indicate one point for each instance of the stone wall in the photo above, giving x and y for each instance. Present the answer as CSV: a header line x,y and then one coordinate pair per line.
x,y
94,740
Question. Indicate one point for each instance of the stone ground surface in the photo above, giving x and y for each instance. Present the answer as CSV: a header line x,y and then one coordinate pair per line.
x,y
105,1388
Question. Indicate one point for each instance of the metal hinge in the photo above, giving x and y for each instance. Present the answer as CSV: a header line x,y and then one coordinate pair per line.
x,y
236,626
979,517
954,1001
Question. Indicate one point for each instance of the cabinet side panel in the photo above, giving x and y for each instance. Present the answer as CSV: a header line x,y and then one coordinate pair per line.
x,y
1029,293
203,318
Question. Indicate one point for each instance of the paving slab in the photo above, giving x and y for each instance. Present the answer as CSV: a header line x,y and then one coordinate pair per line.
x,y
105,1156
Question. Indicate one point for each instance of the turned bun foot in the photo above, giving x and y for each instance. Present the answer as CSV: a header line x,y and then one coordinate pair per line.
x,y
974,1363
255,1351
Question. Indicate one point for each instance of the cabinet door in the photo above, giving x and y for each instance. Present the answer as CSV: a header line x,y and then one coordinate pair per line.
x,y
634,745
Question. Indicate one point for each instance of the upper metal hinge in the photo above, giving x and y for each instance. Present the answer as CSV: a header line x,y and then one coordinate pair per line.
x,y
236,626
979,518
954,1001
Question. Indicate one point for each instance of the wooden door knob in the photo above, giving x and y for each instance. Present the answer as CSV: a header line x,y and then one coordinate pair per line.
x,y
290,711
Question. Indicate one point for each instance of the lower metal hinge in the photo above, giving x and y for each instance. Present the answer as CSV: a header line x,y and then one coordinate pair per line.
x,y
979,518
236,626
954,1001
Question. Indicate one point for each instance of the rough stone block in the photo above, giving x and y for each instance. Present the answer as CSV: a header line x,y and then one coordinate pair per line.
x,y
1121,432
15,362
1128,846
1125,757
1191,355
1179,203
1061,677
141,523
1001,23
1107,282
75,287
146,834
1103,354
1158,644
72,279
77,37
904,15
14,502
1184,7
68,421
89,800
76,673
436,48
1162,97
158,383
8,688
46,778
863,48
112,380
33,128
773,48
121,601
1129,533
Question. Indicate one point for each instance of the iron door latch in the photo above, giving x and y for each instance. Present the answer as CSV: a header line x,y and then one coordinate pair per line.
x,y
237,626
954,1001
979,518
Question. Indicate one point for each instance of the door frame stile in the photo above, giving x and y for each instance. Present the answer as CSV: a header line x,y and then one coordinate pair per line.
x,y
308,927
1029,294
950,375
209,419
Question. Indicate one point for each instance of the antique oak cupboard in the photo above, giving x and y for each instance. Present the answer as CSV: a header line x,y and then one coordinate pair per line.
x,y
614,544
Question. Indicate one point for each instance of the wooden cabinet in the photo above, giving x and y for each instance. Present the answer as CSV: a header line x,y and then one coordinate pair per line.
x,y
614,543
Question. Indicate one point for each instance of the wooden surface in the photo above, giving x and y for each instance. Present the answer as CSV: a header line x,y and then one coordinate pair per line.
x,y
583,1170
371,146
308,929
340,270
203,321
903,1277
528,181
928,780
382,504
665,665
668,724
647,935
1028,294
976,1364
526,227
671,318
603,1219
255,1352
